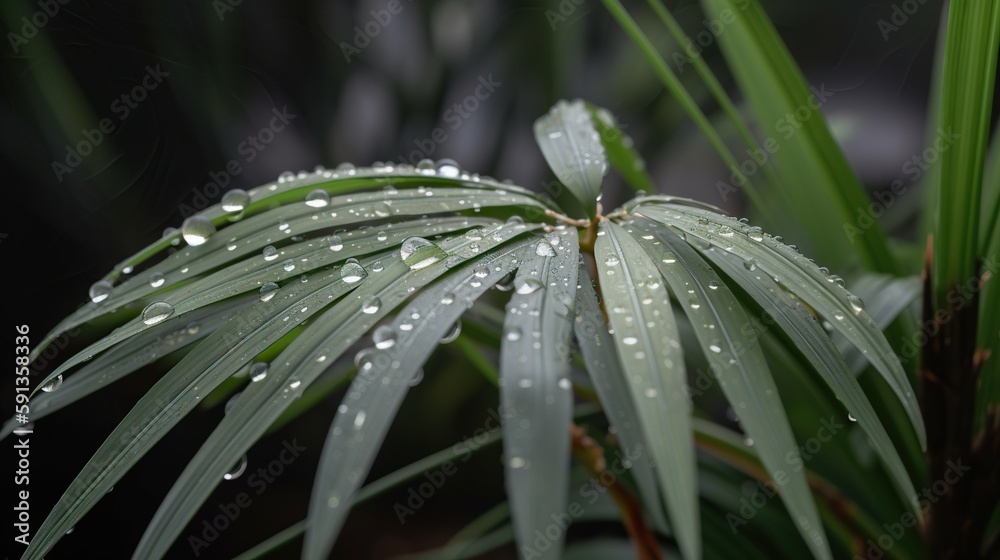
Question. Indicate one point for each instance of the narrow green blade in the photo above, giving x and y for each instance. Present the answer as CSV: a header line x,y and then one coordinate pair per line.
x,y
573,150
364,417
823,292
535,393
645,336
738,363
813,342
622,155
815,174
605,370
971,43
249,333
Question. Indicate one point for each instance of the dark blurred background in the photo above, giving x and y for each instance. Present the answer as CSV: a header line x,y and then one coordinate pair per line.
x,y
202,79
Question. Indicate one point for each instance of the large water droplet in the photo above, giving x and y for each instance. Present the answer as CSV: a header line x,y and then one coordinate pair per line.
x,y
371,305
235,200
452,333
336,243
286,176
352,271
524,285
513,334
543,249
53,384
156,279
448,299
156,312
318,198
258,371
750,265
756,234
418,253
669,258
448,168
384,337
237,470
268,291
196,230
857,306
100,291
288,265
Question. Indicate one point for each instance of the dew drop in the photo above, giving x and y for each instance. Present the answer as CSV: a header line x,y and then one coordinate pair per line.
x,y
286,176
857,306
156,279
669,258
715,348
352,271
196,230
237,470
371,305
544,249
258,371
448,299
448,168
270,253
288,265
756,234
235,200
318,198
750,265
100,291
384,337
453,332
156,312
513,334
53,384
336,243
524,285
713,285
268,291
611,260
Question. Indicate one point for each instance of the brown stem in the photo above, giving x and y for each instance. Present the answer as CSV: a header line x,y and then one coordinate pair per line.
x,y
591,455
964,485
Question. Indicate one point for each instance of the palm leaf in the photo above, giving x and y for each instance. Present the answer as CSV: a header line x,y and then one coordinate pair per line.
x,y
535,391
645,336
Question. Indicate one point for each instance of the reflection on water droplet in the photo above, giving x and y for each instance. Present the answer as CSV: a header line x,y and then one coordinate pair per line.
x,y
715,348
669,258
851,417
100,291
756,234
611,260
270,253
543,249
335,242
156,279
448,168
750,265
53,384
448,299
856,304
384,337
513,334
524,285
268,291
237,470
235,200
258,371
196,230
452,333
156,312
288,265
371,305
318,198
713,285
417,378
352,271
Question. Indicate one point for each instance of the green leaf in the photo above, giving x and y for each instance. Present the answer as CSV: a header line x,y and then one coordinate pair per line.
x,y
821,291
816,177
971,43
621,151
738,363
293,371
535,388
573,150
885,298
365,414
646,338
247,334
813,342
128,357
605,369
